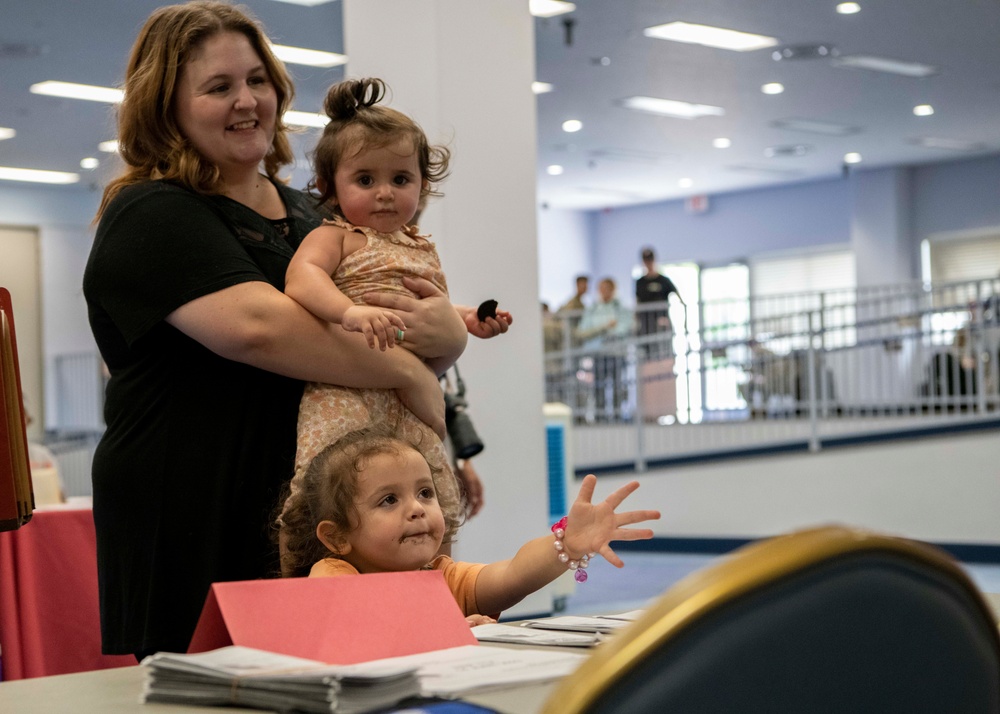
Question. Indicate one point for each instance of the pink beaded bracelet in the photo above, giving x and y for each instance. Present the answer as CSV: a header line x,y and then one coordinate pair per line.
x,y
579,566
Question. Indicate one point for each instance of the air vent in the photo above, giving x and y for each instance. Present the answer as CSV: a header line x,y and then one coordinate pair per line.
x,y
788,150
632,156
21,50
820,50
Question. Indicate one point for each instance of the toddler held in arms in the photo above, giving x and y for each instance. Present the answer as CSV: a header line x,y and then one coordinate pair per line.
x,y
363,268
369,503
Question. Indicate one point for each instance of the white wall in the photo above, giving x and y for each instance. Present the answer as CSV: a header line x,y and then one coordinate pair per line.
x,y
62,217
943,489
565,248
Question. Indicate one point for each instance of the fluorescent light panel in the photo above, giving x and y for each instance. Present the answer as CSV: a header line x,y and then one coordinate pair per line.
x,y
305,3
813,126
70,90
932,142
310,119
109,147
6,133
8,173
671,107
310,58
549,8
884,64
710,36
541,87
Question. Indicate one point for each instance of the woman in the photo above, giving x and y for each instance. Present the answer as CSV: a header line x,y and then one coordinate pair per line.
x,y
206,354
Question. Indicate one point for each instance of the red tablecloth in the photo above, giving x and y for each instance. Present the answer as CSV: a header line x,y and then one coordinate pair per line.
x,y
49,621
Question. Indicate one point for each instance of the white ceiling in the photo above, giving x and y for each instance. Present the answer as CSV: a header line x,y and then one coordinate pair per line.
x,y
620,156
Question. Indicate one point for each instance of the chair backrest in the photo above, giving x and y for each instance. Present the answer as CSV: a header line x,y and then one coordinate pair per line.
x,y
831,619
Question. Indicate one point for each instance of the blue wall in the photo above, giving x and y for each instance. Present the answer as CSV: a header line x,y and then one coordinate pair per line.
x,y
955,196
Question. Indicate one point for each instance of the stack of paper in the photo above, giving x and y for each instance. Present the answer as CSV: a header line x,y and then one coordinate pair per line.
x,y
576,623
264,680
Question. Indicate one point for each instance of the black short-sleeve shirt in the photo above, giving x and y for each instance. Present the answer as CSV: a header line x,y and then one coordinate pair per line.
x,y
197,447
652,289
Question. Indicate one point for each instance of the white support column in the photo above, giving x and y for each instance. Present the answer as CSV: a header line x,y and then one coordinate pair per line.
x,y
463,70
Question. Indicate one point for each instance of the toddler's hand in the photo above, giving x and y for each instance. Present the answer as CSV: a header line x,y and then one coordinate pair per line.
x,y
591,527
374,323
474,620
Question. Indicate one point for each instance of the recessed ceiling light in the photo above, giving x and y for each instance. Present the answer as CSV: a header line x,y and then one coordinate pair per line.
x,y
310,58
549,8
884,64
541,87
311,119
70,90
37,176
852,157
923,110
685,183
772,88
6,133
109,147
671,107
572,125
554,170
89,163
710,36
815,127
306,3
722,143
848,8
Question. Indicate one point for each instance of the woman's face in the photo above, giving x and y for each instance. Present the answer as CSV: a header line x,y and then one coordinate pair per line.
x,y
226,104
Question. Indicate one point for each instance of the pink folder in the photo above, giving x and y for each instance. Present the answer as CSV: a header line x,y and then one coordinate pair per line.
x,y
336,620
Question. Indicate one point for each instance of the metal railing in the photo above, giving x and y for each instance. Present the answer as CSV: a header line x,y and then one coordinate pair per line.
x,y
792,371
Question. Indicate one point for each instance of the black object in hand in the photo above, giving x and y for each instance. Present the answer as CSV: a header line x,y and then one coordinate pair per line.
x,y
488,308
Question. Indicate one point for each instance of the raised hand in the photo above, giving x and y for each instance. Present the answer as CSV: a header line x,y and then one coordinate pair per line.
x,y
376,324
591,527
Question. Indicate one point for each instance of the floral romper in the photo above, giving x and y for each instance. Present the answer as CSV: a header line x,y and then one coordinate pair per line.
x,y
328,412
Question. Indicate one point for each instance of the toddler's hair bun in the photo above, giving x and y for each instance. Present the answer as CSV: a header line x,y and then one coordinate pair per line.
x,y
346,98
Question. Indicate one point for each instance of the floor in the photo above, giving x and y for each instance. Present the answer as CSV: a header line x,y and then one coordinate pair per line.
x,y
647,575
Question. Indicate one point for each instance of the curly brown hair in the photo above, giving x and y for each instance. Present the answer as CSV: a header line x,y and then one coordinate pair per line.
x,y
149,138
329,491
357,122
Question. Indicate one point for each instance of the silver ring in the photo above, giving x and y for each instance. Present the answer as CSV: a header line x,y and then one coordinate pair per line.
x,y
400,335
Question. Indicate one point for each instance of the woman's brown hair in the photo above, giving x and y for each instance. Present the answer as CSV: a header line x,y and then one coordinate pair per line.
x,y
149,138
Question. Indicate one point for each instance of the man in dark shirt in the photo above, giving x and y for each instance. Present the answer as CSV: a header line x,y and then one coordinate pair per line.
x,y
654,287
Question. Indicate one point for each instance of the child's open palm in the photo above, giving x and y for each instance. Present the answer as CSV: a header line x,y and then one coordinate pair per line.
x,y
591,527
376,324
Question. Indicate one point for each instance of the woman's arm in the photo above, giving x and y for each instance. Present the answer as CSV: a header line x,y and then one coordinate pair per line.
x,y
256,324
589,529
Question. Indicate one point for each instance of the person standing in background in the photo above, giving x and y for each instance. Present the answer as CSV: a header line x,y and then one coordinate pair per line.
x,y
654,287
576,302
602,330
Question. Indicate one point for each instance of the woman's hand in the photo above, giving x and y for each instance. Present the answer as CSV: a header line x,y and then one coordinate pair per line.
x,y
433,328
472,487
590,528
485,329
425,399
